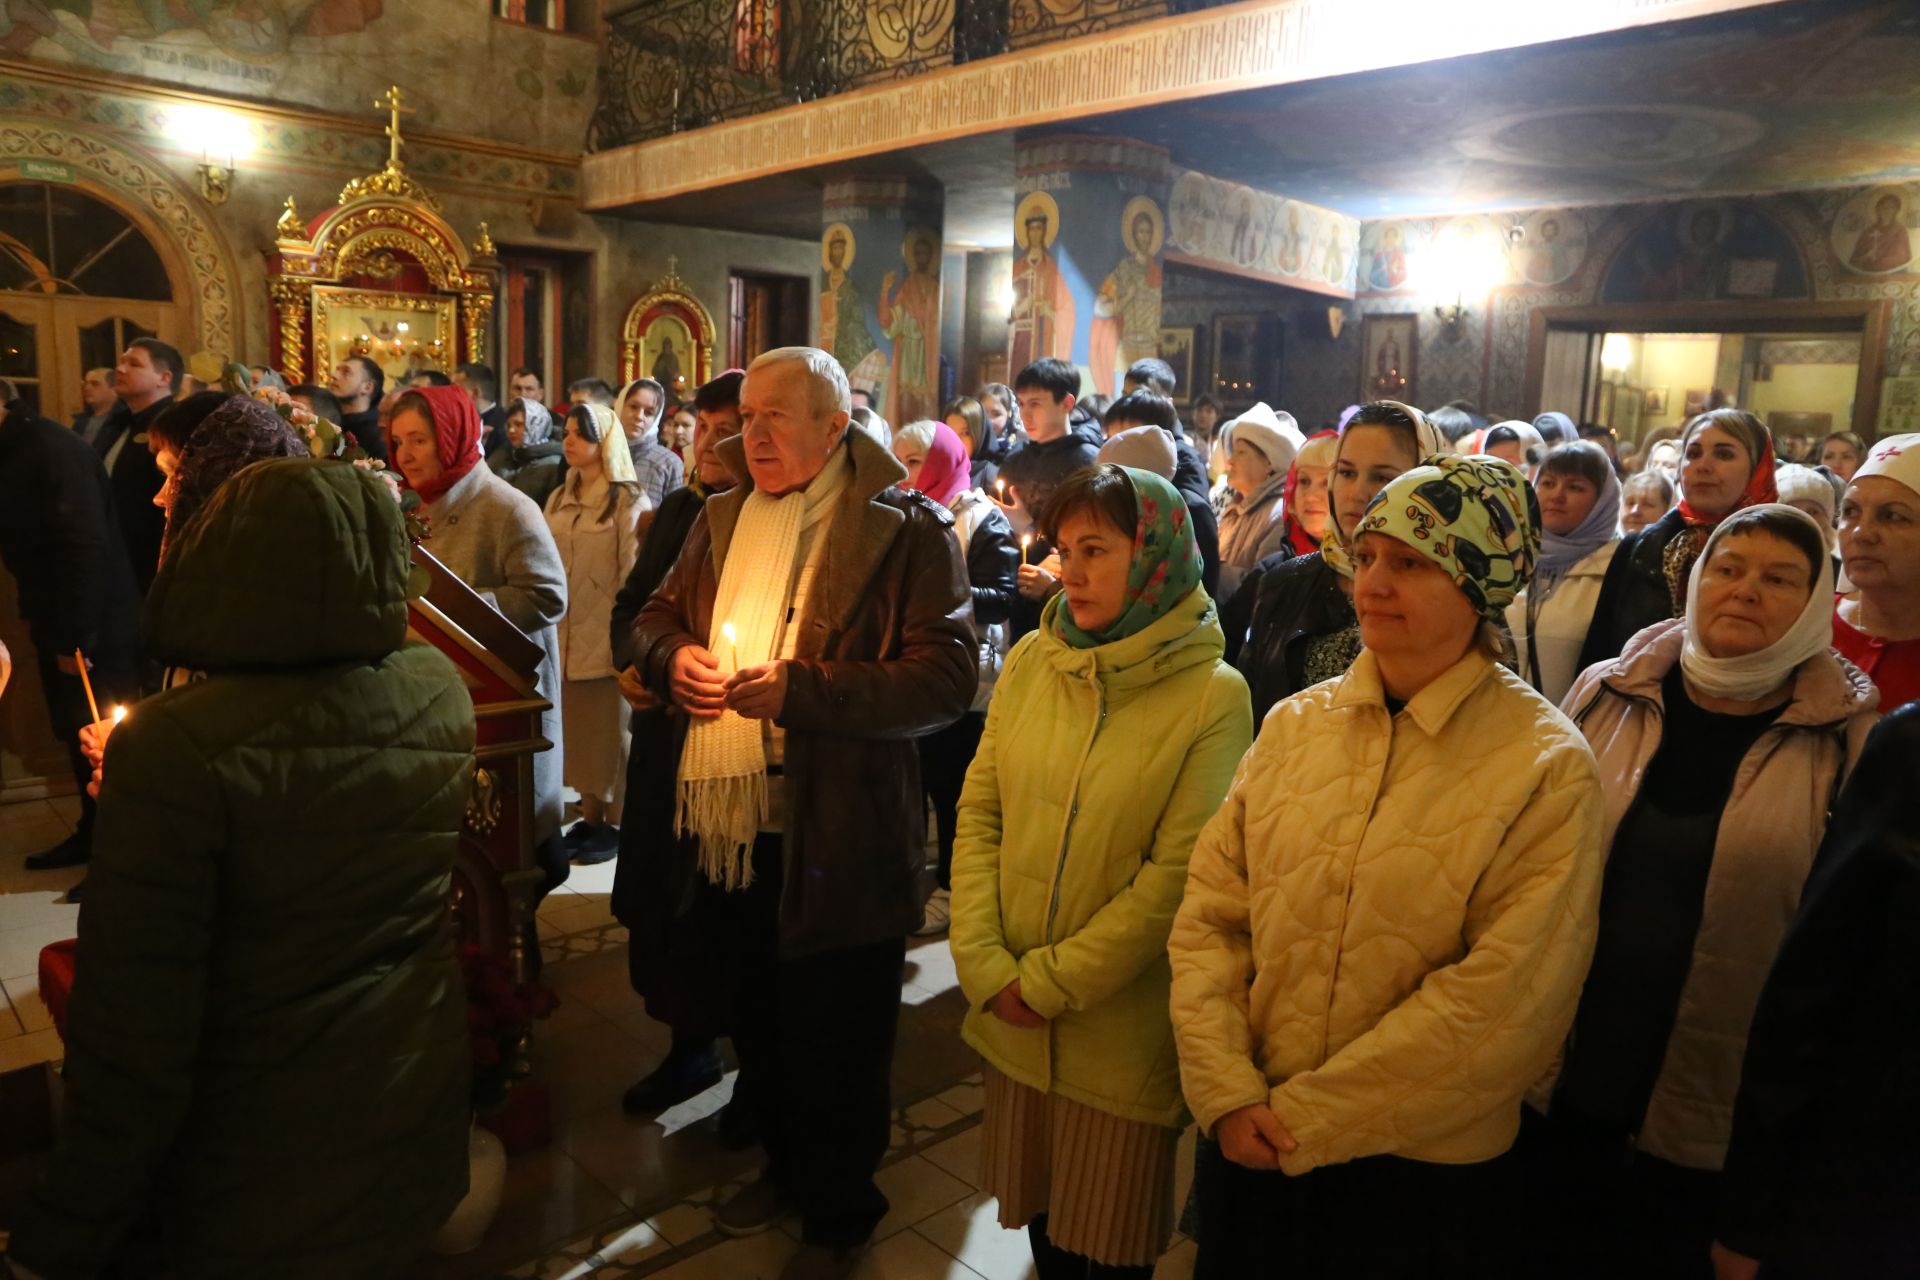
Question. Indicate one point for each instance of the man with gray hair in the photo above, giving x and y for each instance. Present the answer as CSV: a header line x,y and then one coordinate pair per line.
x,y
817,620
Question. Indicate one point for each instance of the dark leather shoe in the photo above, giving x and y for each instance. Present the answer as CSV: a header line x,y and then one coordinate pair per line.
x,y
602,844
70,852
73,894
756,1207
673,1082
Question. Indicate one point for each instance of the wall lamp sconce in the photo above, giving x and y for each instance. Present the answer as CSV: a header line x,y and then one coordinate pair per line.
x,y
1450,314
216,177
220,137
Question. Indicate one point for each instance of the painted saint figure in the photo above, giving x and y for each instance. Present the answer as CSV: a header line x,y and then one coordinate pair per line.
x,y
1884,245
1126,312
910,316
843,322
666,368
1387,268
1042,301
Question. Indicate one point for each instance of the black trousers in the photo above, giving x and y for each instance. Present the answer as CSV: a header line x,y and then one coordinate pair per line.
x,y
1597,1208
1051,1262
68,713
1379,1218
944,758
815,1034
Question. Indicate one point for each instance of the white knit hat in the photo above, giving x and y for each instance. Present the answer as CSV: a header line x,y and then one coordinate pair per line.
x,y
1146,447
1275,435
1797,484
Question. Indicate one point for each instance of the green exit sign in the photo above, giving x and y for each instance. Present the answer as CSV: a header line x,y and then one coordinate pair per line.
x,y
46,170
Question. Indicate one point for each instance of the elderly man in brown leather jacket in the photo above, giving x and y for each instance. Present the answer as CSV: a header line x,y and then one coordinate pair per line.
x,y
817,620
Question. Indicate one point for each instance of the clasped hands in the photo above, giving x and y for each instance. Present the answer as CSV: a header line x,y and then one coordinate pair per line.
x,y
703,692
1254,1137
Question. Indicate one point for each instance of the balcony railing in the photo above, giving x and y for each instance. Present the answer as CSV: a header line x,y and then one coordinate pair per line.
x,y
673,65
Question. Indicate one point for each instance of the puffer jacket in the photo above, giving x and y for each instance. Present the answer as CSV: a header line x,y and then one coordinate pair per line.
x,y
598,554
1387,923
1097,769
534,469
1634,593
267,1046
1768,835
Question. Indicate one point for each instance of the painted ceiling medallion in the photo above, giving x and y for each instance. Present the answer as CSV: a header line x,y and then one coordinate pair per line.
x,y
1618,139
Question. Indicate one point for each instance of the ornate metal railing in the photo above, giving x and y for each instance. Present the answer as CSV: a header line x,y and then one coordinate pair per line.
x,y
673,65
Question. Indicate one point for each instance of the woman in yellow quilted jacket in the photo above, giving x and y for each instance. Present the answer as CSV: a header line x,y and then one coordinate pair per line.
x,y
1111,738
1387,923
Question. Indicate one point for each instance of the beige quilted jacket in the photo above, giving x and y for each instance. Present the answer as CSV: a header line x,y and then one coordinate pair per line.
x,y
1387,924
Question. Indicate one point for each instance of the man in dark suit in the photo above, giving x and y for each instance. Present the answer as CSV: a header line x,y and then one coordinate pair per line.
x,y
145,379
480,382
97,394
59,540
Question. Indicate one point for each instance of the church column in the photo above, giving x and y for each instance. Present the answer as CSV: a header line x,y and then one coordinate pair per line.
x,y
1089,227
880,249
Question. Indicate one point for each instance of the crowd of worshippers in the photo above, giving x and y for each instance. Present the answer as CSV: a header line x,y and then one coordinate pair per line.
x,y
1507,856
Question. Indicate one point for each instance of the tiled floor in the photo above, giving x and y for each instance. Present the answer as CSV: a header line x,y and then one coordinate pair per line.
x,y
614,1197
33,912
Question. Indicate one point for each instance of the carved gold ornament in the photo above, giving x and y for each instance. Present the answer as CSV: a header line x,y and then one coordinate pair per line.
x,y
290,226
483,803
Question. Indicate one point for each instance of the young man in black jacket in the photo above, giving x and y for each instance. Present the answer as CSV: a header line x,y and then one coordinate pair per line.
x,y
60,541
146,379
1048,389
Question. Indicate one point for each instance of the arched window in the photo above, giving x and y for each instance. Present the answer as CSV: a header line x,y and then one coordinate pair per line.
x,y
58,240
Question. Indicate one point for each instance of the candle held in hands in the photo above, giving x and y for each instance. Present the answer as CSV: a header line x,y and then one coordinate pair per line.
x,y
726,655
1026,544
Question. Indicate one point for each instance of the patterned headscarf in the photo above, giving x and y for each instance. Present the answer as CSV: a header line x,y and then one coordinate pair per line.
x,y
1475,516
1165,568
539,423
239,433
1428,443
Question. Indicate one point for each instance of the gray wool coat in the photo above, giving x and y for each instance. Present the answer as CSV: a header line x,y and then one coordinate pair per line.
x,y
495,539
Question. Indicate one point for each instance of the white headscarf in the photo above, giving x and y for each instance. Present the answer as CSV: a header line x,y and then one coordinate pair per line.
x,y
1754,675
1895,457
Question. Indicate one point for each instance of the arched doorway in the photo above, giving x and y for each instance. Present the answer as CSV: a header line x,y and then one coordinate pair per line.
x,y
80,276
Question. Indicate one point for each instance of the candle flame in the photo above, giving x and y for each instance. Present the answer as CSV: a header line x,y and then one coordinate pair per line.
x,y
119,714
1026,539
726,632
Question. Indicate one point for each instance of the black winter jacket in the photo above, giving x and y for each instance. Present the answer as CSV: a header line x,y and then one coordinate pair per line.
x,y
60,538
1634,594
1297,601
136,478
1821,1178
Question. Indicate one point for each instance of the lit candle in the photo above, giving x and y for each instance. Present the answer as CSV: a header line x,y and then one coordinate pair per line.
x,y
1026,542
1000,487
727,643
119,714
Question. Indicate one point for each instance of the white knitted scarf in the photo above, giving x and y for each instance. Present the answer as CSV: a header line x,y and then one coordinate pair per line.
x,y
722,796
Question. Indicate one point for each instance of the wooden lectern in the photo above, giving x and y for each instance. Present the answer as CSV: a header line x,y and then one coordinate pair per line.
x,y
496,880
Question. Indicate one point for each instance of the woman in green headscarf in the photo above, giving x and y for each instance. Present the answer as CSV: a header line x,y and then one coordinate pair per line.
x,y
1112,737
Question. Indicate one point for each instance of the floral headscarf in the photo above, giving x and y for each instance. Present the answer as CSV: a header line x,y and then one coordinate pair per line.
x,y
456,433
1475,516
1164,570
240,432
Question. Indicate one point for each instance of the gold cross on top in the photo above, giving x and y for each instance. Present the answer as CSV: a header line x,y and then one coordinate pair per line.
x,y
396,107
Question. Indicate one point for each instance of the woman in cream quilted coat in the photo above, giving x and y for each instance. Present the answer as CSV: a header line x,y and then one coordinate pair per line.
x,y
1387,923
1113,732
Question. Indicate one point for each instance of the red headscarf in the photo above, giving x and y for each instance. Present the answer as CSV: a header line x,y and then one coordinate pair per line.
x,y
944,475
1303,543
1751,433
456,432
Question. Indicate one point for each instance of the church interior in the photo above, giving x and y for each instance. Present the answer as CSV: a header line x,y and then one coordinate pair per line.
x,y
1622,210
